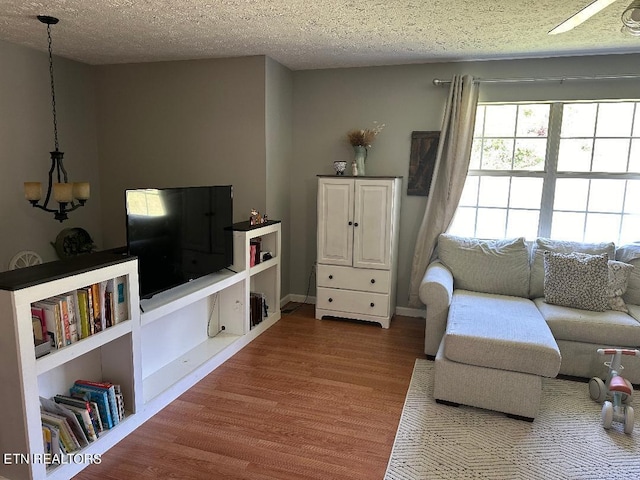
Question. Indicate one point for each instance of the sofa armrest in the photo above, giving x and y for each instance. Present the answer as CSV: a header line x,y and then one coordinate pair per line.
x,y
436,292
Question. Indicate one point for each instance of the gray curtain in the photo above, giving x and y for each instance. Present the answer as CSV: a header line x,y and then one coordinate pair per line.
x,y
449,175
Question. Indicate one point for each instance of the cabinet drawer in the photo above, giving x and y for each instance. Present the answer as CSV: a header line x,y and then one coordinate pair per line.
x,y
350,301
365,279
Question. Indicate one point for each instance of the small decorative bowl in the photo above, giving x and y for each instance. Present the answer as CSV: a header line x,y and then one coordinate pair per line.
x,y
339,166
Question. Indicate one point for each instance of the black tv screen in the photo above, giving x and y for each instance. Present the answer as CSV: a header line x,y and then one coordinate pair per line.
x,y
179,234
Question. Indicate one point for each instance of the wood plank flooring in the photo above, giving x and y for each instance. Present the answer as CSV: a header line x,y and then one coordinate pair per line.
x,y
308,399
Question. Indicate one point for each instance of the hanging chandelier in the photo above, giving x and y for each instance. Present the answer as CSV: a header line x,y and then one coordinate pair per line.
x,y
64,193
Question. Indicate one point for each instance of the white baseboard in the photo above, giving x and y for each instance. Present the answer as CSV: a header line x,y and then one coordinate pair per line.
x,y
404,311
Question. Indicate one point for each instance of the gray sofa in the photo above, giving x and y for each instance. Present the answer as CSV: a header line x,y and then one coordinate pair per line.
x,y
493,335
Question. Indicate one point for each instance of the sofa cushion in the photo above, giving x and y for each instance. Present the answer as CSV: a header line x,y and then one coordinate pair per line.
x,y
600,328
499,331
634,311
536,285
577,280
619,273
489,266
631,254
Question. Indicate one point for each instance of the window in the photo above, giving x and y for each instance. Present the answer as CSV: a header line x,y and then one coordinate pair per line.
x,y
568,171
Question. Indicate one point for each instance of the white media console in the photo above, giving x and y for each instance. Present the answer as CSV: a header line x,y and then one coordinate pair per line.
x,y
164,346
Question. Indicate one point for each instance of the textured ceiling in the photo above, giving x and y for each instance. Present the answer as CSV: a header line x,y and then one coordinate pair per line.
x,y
304,34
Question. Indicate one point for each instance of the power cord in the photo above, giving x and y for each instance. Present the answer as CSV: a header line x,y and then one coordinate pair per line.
x,y
213,309
304,302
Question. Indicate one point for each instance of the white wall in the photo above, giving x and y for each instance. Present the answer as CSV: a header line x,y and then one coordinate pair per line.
x,y
26,138
328,103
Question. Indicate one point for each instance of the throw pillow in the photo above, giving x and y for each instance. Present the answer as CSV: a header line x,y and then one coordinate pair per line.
x,y
619,273
560,246
488,266
631,254
576,280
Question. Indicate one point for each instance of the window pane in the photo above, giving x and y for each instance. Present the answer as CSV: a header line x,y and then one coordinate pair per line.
x,y
567,226
575,155
606,195
533,120
470,192
610,155
636,122
479,125
491,222
578,119
614,119
523,223
602,228
632,198
525,192
530,154
630,231
571,194
476,154
464,222
500,121
494,192
497,154
634,159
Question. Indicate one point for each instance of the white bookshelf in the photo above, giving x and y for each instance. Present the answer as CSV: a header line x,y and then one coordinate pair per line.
x,y
112,354
168,344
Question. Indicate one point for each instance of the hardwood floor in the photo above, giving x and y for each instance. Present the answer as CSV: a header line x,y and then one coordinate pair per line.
x,y
308,399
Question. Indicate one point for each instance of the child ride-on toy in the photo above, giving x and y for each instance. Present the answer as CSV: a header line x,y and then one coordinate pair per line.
x,y
616,393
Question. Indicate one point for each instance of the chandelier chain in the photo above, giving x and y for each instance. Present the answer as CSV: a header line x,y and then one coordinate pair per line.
x,y
53,91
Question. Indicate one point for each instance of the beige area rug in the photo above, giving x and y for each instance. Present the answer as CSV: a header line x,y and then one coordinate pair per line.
x,y
566,440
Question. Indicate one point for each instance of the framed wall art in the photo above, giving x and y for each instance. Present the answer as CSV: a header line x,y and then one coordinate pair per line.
x,y
424,148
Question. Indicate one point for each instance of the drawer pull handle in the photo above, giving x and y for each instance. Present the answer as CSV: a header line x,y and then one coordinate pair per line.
x,y
350,223
330,299
373,304
373,280
355,224
330,277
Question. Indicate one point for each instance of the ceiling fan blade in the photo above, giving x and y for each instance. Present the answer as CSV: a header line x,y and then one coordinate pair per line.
x,y
581,16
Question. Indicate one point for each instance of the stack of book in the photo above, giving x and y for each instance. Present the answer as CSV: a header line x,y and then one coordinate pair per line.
x,y
71,422
258,307
65,319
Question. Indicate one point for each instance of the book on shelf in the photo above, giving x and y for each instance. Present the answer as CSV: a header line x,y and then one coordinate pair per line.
x,y
84,407
67,436
97,308
51,439
101,399
258,308
120,299
51,311
83,310
64,318
110,389
77,432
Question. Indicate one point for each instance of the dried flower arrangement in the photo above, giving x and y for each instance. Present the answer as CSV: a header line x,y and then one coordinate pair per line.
x,y
364,137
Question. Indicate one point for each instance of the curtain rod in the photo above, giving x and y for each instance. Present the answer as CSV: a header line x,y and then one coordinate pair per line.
x,y
438,82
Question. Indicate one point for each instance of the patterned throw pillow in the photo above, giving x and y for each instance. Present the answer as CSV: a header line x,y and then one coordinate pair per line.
x,y
576,280
619,273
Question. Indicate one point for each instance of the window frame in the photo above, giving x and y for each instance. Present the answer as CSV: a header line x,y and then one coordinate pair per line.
x,y
550,174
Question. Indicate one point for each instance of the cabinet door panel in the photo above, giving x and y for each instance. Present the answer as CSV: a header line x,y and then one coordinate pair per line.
x,y
335,213
373,234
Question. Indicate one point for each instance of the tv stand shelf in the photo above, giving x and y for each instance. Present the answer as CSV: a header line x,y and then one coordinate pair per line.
x,y
167,344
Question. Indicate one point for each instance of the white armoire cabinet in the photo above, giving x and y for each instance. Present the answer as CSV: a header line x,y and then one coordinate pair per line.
x,y
358,224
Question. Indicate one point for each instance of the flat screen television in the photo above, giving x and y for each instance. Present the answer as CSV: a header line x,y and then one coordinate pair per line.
x,y
179,234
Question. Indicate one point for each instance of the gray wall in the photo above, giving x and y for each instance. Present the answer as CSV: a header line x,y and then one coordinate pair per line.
x,y
328,103
247,121
26,138
186,123
279,145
